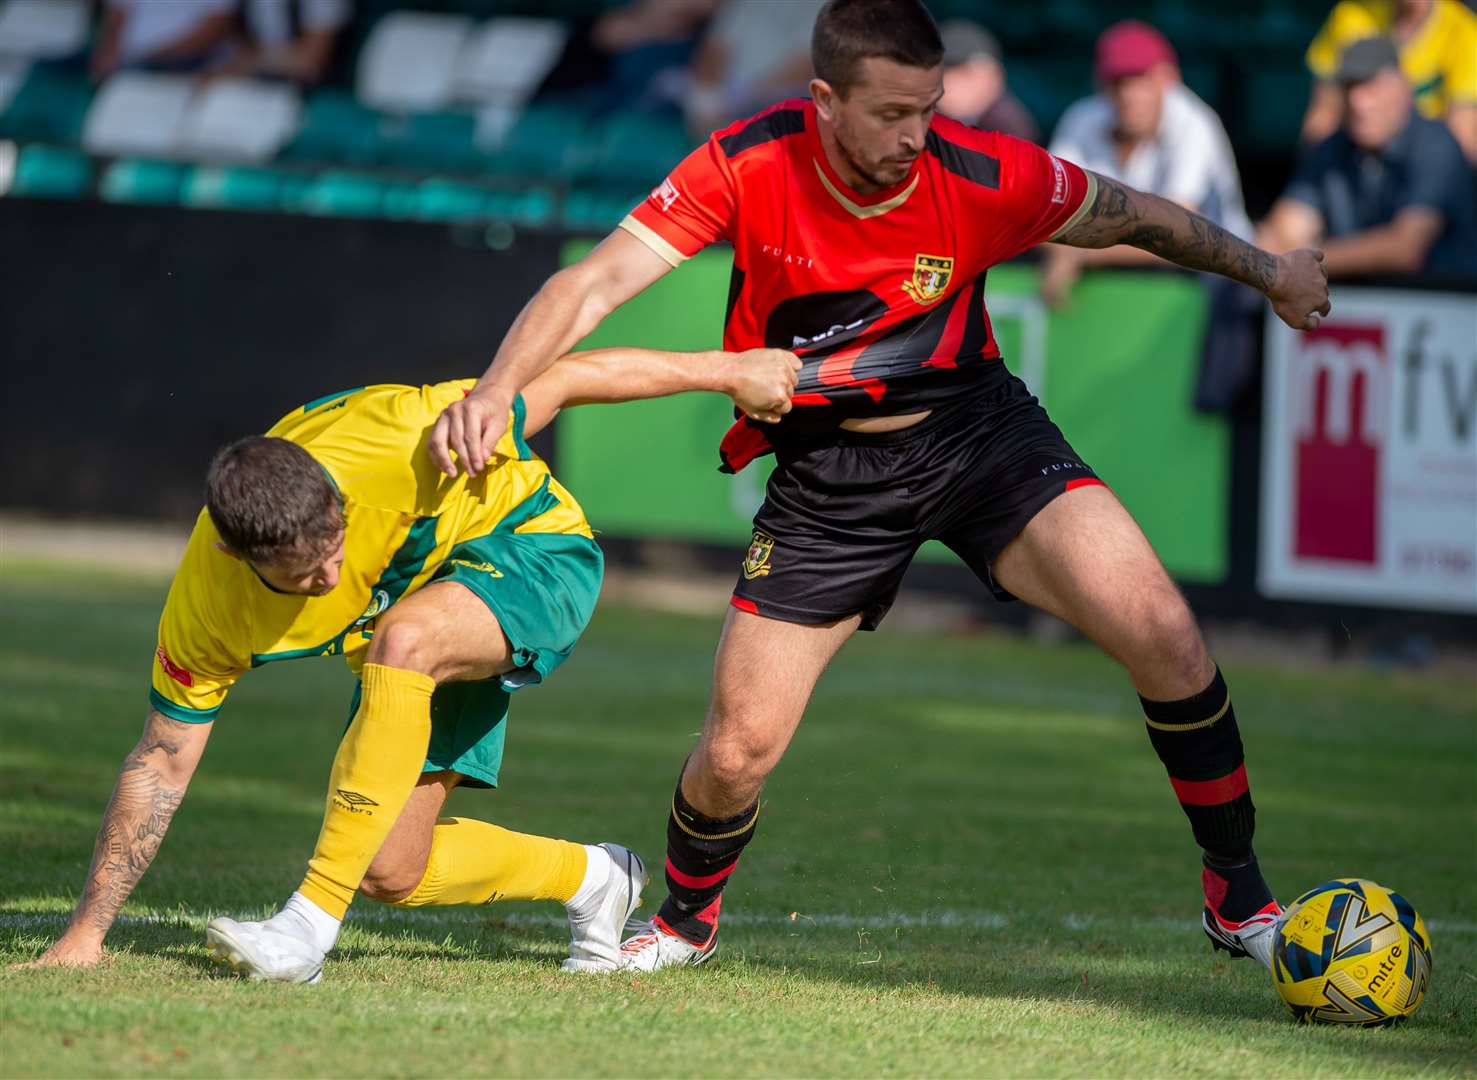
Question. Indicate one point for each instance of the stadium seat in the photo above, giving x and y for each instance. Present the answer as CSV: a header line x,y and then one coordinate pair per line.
x,y
597,209
142,180
13,73
436,140
337,129
43,29
350,194
409,61
239,187
439,199
546,141
50,105
138,113
51,172
240,120
636,149
504,60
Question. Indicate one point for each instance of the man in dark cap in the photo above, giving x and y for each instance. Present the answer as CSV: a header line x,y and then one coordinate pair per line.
x,y
1390,191
974,83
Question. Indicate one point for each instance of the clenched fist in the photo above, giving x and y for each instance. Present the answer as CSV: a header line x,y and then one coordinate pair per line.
x,y
1300,294
762,383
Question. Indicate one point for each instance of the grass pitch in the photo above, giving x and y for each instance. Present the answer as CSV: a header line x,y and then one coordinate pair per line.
x,y
970,863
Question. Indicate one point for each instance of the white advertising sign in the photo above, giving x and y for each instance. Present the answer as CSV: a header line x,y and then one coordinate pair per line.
x,y
1369,454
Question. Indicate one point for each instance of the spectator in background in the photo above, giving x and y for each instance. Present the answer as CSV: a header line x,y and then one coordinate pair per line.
x,y
1388,193
288,39
754,53
1437,41
1149,130
635,56
160,35
974,83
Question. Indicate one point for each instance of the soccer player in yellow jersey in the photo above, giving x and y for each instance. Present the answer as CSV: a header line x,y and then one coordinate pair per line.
x,y
334,534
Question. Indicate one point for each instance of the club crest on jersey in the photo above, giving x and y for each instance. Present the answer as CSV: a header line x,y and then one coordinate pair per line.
x,y
756,562
931,275
377,605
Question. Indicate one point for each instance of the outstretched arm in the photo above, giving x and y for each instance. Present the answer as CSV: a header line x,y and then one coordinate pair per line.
x,y
760,381
150,786
1295,283
561,314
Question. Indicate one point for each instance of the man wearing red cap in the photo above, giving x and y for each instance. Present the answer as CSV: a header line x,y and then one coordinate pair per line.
x,y
1147,129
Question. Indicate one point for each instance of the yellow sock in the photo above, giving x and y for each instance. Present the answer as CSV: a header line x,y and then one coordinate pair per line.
x,y
374,772
473,862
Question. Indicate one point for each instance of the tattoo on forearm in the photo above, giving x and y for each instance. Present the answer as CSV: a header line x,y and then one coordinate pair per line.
x,y
1120,215
134,824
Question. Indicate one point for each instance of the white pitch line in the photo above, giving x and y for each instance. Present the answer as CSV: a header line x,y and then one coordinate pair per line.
x,y
377,916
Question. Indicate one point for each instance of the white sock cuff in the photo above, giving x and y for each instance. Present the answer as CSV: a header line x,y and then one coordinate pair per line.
x,y
597,873
323,926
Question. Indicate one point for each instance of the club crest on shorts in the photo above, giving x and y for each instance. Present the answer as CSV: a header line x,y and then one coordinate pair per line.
x,y
931,275
756,562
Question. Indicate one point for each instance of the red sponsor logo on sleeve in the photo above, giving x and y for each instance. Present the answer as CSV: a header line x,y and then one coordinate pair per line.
x,y
173,670
1059,181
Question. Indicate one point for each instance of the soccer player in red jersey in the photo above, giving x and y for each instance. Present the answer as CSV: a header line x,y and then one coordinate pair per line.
x,y
862,227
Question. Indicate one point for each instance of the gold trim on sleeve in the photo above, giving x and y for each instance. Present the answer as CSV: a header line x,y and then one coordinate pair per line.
x,y
653,239
1081,212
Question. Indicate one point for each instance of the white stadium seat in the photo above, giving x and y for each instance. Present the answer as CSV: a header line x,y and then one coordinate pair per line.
x,y
504,60
43,29
408,62
239,120
137,113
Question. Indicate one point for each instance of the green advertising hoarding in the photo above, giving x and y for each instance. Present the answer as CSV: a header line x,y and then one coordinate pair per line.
x,y
1115,370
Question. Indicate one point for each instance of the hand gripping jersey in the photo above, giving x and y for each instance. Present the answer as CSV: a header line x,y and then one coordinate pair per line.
x,y
882,296
402,519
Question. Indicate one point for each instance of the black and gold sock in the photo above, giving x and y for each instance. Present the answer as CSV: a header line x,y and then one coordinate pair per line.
x,y
701,854
1200,745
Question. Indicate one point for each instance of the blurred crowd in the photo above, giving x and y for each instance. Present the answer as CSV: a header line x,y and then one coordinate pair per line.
x,y
1385,181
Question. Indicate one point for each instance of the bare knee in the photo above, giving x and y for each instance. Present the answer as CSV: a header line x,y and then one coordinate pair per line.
x,y
403,642
736,758
389,884
1171,658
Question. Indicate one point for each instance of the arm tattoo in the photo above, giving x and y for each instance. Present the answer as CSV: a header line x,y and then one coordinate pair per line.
x,y
134,824
1121,215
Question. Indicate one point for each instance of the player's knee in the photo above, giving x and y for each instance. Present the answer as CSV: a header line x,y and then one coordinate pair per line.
x,y
1171,637
403,642
738,761
391,884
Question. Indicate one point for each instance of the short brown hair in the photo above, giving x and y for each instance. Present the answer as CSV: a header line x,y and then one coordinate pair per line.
x,y
269,499
848,31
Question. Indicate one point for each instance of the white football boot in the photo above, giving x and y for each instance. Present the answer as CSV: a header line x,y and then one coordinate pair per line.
x,y
655,945
1252,937
596,925
270,950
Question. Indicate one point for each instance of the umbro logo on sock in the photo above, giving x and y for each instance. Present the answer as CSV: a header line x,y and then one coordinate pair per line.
x,y
353,802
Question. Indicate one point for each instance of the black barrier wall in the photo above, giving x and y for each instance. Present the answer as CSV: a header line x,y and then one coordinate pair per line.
x,y
136,341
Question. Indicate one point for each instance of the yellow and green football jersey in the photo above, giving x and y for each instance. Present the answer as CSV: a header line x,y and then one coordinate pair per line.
x,y
405,522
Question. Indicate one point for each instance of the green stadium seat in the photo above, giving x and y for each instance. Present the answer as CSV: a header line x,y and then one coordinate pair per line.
x,y
547,141
349,194
596,209
234,187
435,140
635,149
439,199
49,106
336,129
142,180
52,172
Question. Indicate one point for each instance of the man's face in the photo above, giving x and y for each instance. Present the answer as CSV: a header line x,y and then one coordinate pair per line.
x,y
972,87
881,124
305,573
1376,109
1138,101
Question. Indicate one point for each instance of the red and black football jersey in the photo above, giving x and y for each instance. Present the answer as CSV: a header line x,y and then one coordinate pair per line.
x,y
882,296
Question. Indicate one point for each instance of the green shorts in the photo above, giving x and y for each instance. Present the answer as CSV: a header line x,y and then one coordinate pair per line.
x,y
542,587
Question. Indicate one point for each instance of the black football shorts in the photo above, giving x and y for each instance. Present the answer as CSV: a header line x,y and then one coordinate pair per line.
x,y
842,519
